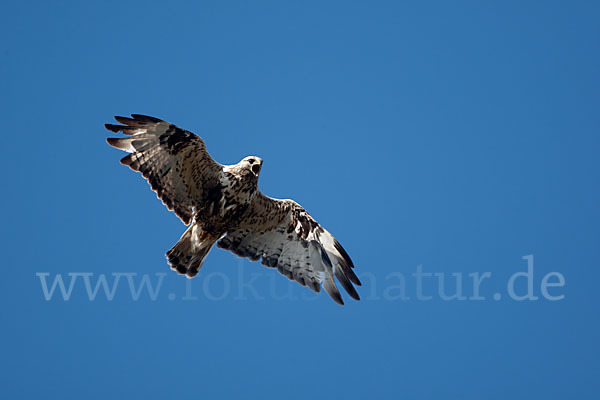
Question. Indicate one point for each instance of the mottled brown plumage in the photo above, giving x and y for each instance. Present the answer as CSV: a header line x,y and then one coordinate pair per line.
x,y
222,203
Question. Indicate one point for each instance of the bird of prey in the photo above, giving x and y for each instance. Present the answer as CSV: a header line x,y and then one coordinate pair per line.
x,y
222,205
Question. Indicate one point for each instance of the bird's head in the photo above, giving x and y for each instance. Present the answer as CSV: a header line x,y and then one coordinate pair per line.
x,y
252,163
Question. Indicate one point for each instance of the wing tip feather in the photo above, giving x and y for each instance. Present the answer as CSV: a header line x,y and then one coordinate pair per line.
x,y
146,118
343,253
113,128
125,120
333,291
127,160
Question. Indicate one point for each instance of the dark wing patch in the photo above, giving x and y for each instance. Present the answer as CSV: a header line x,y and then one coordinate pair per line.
x,y
174,161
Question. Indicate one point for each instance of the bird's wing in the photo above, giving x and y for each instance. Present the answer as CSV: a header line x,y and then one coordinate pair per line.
x,y
286,237
174,161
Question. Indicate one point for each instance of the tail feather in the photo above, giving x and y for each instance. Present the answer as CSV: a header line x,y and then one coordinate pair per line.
x,y
188,254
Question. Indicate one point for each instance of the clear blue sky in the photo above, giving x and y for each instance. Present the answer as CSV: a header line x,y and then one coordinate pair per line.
x,y
458,136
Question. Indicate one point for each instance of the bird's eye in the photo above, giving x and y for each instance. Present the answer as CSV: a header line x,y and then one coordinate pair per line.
x,y
251,161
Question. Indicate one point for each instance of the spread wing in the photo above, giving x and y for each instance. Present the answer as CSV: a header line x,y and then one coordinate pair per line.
x,y
286,237
174,161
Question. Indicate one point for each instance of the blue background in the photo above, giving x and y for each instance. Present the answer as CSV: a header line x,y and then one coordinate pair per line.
x,y
460,136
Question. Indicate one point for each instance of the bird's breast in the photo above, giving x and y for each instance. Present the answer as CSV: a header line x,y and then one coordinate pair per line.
x,y
225,203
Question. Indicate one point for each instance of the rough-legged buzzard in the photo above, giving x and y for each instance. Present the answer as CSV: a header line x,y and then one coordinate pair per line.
x,y
222,204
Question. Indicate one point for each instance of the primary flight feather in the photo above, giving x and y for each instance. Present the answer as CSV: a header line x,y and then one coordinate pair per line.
x,y
222,204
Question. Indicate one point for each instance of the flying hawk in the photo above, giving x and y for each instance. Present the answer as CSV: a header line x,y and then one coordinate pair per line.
x,y
222,204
